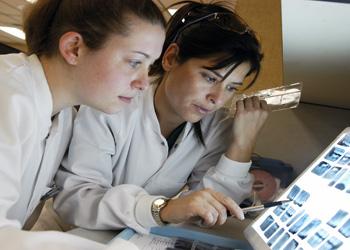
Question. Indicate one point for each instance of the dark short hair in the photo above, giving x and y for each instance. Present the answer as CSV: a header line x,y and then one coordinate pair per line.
x,y
228,38
47,20
210,30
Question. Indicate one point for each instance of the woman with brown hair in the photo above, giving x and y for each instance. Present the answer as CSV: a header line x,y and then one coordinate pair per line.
x,y
90,52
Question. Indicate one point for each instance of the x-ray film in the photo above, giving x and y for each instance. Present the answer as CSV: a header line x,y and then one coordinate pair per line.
x,y
319,215
279,98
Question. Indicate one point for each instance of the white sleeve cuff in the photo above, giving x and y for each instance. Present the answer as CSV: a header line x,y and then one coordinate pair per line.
x,y
143,211
233,168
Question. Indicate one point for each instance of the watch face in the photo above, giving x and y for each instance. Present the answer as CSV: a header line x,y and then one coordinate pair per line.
x,y
159,202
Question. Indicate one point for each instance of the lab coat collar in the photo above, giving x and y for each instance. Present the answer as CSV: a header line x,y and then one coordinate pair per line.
x,y
44,102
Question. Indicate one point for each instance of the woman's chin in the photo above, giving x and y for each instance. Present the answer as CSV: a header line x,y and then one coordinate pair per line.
x,y
112,109
193,118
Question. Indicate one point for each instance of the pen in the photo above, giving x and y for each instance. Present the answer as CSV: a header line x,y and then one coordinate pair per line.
x,y
263,206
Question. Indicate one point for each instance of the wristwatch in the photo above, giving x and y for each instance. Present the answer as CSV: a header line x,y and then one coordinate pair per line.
x,y
157,206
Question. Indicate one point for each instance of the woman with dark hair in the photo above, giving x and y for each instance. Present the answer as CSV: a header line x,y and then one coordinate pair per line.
x,y
121,168
80,52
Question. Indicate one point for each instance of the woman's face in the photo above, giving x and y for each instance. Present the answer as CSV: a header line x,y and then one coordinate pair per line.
x,y
192,91
109,78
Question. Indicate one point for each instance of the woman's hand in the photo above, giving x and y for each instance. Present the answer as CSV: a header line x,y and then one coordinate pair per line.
x,y
251,114
207,205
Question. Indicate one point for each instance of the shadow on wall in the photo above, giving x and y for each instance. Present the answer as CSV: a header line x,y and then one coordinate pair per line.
x,y
299,135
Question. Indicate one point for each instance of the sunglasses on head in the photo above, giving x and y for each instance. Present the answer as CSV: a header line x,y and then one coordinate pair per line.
x,y
224,20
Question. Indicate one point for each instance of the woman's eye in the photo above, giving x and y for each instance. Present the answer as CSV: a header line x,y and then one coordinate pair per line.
x,y
209,78
134,63
231,88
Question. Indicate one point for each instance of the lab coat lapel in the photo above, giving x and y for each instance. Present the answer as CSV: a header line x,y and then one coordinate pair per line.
x,y
56,145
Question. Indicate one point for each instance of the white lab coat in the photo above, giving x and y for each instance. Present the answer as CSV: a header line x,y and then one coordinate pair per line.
x,y
31,149
14,239
118,164
31,145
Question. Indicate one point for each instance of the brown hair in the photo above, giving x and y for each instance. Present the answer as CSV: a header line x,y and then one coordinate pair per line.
x,y
47,20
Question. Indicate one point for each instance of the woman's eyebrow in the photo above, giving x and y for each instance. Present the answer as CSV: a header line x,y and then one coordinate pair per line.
x,y
222,77
217,74
142,53
213,71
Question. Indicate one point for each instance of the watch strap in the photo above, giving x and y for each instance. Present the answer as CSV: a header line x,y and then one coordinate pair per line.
x,y
156,208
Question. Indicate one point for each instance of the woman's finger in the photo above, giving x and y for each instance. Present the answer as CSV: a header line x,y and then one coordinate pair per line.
x,y
264,105
230,205
256,102
248,103
220,209
239,106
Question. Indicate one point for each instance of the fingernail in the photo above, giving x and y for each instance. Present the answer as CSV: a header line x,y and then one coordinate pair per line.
x,y
241,215
210,219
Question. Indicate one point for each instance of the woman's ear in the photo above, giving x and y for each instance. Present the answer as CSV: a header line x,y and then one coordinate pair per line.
x,y
170,57
70,47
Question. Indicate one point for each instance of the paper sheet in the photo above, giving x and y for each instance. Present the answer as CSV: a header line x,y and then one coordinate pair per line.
x,y
153,242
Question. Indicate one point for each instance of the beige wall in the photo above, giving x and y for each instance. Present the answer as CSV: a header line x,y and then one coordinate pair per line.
x,y
316,41
265,18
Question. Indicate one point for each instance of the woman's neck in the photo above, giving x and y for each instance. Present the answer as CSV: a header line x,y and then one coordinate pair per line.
x,y
61,87
167,117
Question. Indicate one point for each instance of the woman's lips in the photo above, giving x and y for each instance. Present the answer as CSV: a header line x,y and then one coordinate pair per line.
x,y
202,110
126,99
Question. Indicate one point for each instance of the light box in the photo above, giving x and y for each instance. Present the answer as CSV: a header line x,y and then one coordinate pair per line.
x,y
319,216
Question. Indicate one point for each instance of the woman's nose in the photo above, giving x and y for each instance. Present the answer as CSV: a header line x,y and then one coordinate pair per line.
x,y
216,97
142,82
